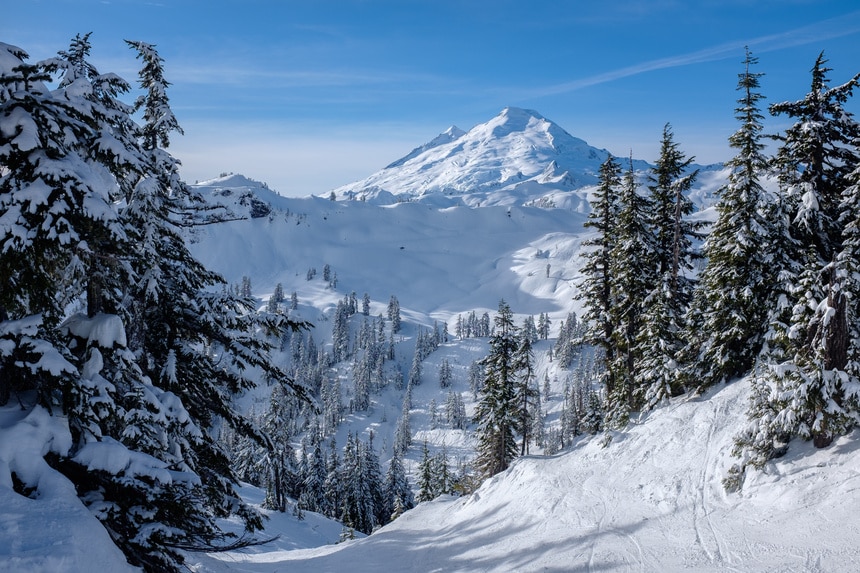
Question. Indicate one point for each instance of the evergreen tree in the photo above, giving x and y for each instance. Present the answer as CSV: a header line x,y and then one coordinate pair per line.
x,y
663,325
598,286
394,314
397,489
525,392
445,374
807,386
455,411
496,414
403,432
735,284
415,369
426,478
333,486
312,497
281,472
91,204
633,269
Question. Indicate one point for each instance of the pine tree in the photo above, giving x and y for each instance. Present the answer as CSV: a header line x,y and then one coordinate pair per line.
x,y
445,374
807,386
525,392
633,269
496,414
394,314
281,471
663,325
312,497
736,282
403,432
426,477
397,489
332,486
92,204
598,286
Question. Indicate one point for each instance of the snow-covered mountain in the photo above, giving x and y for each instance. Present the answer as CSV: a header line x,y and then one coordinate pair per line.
x,y
650,500
517,158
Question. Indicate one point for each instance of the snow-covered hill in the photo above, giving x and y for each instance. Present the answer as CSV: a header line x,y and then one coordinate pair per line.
x,y
652,500
649,501
518,157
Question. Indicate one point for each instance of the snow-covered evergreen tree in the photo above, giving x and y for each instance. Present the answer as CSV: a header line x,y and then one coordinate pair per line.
x,y
525,392
397,489
807,386
663,323
445,374
598,288
496,414
394,313
735,285
633,268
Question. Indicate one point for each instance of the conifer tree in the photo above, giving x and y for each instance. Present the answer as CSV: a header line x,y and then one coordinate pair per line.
x,y
662,334
397,489
496,413
598,286
312,497
525,393
807,385
426,478
735,285
633,269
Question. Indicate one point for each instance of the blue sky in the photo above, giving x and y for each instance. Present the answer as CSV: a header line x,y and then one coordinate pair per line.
x,y
311,95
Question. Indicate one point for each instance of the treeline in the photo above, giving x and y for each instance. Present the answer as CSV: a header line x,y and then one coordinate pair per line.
x,y
778,295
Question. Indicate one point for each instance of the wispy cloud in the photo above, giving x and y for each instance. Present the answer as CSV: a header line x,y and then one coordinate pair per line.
x,y
827,29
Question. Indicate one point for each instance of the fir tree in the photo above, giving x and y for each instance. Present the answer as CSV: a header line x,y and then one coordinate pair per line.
x,y
397,489
394,314
445,374
525,393
633,269
735,284
662,334
426,478
598,286
496,414
807,384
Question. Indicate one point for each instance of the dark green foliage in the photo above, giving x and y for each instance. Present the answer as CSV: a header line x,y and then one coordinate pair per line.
x,y
496,416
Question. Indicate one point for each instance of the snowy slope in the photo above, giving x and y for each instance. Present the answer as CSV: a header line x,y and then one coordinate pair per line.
x,y
650,501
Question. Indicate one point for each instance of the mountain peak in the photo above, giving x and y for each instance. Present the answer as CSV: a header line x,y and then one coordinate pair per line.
x,y
451,134
516,157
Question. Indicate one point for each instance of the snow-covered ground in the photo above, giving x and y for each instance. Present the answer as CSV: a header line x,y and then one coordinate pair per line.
x,y
651,500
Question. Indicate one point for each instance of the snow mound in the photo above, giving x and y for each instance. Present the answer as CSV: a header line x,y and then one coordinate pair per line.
x,y
52,532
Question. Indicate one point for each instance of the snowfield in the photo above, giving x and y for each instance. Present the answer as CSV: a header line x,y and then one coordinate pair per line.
x,y
652,500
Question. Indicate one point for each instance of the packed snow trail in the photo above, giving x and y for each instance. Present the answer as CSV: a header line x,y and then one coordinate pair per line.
x,y
652,500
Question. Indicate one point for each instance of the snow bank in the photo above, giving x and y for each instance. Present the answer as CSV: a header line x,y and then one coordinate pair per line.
x,y
50,531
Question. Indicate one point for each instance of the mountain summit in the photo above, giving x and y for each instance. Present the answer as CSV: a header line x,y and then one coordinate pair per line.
x,y
518,157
